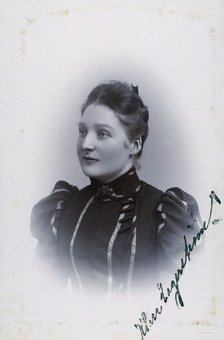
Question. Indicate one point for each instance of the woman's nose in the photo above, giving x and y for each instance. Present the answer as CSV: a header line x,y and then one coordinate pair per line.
x,y
88,142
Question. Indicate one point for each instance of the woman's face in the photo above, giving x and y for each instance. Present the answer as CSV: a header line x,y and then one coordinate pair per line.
x,y
103,147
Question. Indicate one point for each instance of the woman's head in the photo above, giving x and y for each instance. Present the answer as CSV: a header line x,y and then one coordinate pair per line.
x,y
112,130
127,105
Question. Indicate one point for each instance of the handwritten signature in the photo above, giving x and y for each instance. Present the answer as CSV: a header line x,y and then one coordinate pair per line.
x,y
144,322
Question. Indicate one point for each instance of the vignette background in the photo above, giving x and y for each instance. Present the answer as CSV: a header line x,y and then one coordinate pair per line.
x,y
52,55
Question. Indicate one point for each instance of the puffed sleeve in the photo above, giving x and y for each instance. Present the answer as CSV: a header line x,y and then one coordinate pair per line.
x,y
45,221
178,217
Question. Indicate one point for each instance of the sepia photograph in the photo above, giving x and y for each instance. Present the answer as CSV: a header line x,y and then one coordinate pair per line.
x,y
112,135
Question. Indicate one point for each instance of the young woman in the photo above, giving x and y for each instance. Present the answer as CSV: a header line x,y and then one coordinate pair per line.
x,y
116,233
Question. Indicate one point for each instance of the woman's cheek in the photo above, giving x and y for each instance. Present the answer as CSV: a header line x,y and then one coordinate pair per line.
x,y
78,146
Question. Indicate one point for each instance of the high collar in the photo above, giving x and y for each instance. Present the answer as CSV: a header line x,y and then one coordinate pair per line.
x,y
122,185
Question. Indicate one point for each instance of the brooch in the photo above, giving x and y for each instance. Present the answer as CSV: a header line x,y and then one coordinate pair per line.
x,y
105,192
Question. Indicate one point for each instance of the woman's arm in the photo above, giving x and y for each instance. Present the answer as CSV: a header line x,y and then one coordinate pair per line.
x,y
179,220
45,221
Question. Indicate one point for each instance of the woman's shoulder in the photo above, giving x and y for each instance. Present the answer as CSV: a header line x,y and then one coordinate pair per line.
x,y
175,208
179,218
62,191
171,199
176,199
51,206
64,187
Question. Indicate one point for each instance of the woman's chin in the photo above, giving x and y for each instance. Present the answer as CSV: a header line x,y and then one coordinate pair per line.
x,y
90,171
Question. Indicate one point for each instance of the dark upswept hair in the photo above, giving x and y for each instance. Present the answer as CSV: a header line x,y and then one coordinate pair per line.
x,y
126,103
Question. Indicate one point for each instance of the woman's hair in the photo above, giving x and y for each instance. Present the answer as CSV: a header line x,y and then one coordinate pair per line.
x,y
126,103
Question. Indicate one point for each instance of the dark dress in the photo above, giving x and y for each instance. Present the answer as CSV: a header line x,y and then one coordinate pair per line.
x,y
113,237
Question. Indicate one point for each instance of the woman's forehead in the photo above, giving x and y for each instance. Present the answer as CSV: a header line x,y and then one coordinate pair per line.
x,y
97,114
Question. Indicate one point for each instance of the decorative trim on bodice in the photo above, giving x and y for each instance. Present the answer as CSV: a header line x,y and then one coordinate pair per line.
x,y
125,190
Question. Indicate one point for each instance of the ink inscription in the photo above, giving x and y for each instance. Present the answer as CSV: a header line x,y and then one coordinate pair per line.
x,y
146,322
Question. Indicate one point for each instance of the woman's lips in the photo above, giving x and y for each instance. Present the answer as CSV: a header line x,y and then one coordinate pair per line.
x,y
89,159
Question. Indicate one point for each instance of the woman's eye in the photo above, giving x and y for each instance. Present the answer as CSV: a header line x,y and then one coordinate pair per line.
x,y
82,132
103,134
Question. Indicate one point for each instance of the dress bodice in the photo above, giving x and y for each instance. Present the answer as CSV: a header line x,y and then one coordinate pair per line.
x,y
116,236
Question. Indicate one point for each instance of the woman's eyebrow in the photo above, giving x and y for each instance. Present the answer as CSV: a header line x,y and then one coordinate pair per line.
x,y
81,124
97,125
100,125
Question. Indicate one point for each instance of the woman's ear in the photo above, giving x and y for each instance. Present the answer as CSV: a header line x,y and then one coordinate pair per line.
x,y
136,146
